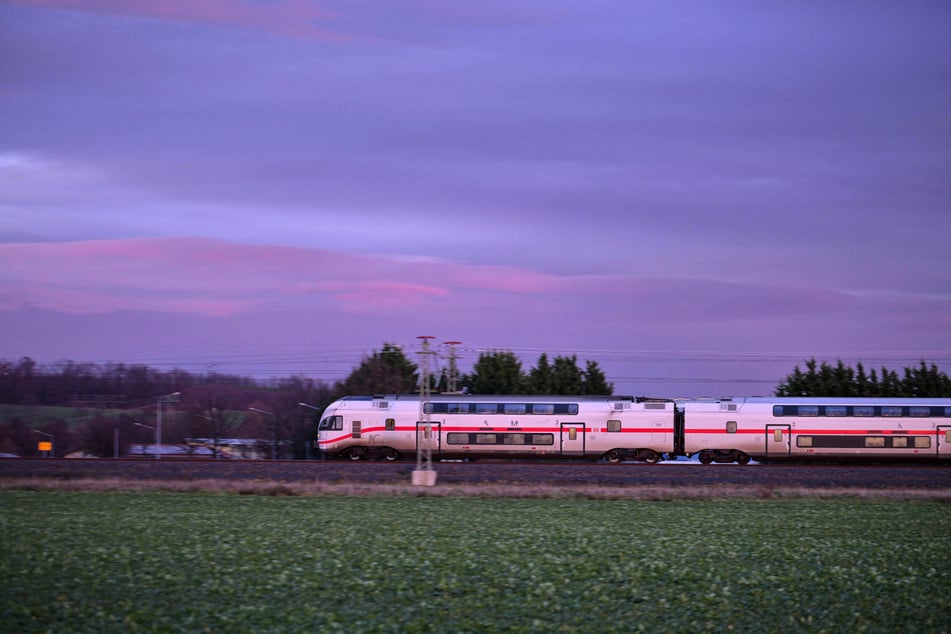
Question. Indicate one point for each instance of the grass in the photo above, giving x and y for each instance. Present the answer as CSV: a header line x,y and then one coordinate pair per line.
x,y
38,415
176,562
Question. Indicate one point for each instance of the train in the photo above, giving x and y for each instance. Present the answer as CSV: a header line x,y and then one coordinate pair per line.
x,y
624,428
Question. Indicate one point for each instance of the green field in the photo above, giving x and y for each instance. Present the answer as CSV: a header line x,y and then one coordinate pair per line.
x,y
178,562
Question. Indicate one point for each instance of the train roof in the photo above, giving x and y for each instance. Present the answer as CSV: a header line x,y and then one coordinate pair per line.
x,y
490,398
459,396
828,400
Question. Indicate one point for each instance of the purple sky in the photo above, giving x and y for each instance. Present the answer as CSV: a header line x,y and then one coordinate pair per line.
x,y
696,195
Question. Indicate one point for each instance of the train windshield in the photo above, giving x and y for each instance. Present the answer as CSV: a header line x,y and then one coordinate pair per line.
x,y
331,423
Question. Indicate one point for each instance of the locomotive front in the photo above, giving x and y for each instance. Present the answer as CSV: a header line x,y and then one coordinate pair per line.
x,y
330,432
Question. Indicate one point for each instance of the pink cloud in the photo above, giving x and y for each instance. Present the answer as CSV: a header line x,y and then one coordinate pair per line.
x,y
210,277
368,297
506,278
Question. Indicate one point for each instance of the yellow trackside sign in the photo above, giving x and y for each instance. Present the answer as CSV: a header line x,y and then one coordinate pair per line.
x,y
45,445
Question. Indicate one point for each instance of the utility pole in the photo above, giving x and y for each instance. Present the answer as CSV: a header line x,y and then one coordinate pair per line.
x,y
424,474
452,383
168,398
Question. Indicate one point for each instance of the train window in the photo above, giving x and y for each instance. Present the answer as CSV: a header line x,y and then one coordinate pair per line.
x,y
614,425
874,441
429,408
804,441
456,438
486,408
731,427
572,433
947,411
543,439
355,427
899,441
891,411
567,408
513,439
514,408
457,408
778,410
543,408
808,410
332,423
778,435
919,412
835,410
863,410
485,439
922,442
390,424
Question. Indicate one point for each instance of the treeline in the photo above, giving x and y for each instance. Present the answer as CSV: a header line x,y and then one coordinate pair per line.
x,y
501,373
101,410
498,372
842,380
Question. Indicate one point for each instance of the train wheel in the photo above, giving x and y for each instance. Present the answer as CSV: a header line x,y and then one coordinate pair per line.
x,y
742,458
651,457
391,455
614,456
706,457
357,453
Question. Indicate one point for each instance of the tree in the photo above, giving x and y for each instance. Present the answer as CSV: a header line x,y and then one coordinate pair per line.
x,y
300,421
540,377
497,372
16,437
385,372
214,412
841,380
98,435
595,383
926,381
567,377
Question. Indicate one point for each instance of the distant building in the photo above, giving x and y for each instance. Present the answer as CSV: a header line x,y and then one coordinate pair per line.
x,y
223,449
172,451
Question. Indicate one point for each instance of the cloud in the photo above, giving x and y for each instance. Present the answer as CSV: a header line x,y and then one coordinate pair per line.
x,y
198,301
209,277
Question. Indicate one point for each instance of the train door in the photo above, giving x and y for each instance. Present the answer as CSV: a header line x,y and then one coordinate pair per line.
x,y
431,437
572,439
944,441
778,441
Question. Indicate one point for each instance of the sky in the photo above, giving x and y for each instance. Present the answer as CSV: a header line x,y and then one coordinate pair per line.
x,y
696,195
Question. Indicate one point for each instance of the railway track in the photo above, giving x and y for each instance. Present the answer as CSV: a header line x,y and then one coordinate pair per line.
x,y
848,476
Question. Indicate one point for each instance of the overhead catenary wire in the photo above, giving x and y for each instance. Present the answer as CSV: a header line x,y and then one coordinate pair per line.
x,y
621,365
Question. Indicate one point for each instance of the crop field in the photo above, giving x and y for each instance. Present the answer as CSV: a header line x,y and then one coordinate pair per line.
x,y
177,562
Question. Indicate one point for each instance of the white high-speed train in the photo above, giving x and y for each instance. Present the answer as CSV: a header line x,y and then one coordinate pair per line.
x,y
617,428
763,428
